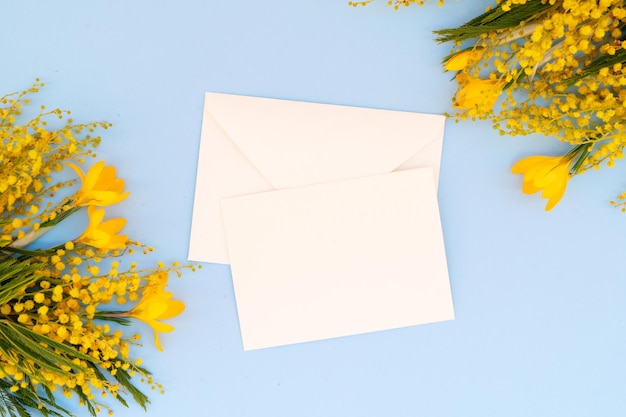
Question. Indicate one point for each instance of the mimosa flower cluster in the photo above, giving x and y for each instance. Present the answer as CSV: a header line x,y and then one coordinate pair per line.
x,y
395,3
552,67
62,307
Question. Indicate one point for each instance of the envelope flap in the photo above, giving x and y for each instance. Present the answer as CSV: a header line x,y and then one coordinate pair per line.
x,y
295,143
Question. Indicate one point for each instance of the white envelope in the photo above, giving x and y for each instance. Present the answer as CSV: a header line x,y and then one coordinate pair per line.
x,y
251,144
330,227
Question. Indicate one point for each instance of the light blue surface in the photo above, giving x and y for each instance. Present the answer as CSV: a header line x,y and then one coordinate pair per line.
x,y
539,297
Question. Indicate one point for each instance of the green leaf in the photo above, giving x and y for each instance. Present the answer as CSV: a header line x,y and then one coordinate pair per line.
x,y
15,276
583,150
605,61
493,20
124,379
59,218
27,344
21,402
87,402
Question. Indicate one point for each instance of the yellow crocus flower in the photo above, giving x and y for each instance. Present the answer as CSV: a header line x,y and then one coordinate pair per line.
x,y
100,186
103,234
548,174
477,95
157,304
462,60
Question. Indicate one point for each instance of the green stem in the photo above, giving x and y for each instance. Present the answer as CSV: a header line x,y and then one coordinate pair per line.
x,y
30,237
118,317
27,252
580,152
59,218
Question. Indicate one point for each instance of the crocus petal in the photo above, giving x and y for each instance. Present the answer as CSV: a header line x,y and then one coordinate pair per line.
x,y
554,197
555,191
103,235
462,60
157,304
106,198
78,171
96,215
117,242
163,328
157,342
524,164
457,62
95,238
108,181
542,176
174,308
529,188
92,176
100,186
477,96
548,174
151,309
113,226
159,327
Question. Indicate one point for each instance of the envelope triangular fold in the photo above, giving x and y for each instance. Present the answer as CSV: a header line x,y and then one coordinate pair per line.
x,y
294,143
252,144
223,171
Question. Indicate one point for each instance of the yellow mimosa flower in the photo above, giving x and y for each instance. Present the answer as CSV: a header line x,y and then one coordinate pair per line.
x,y
462,60
548,174
477,95
100,186
157,304
103,234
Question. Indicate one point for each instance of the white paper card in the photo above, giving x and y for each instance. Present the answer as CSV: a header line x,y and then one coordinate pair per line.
x,y
337,258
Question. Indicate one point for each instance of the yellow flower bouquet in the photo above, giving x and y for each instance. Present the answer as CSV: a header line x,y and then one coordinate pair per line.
x,y
61,307
550,67
557,69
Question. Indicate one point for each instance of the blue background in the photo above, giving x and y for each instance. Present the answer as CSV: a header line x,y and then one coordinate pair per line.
x,y
539,297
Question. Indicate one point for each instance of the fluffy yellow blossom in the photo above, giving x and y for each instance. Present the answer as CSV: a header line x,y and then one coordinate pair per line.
x,y
395,3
